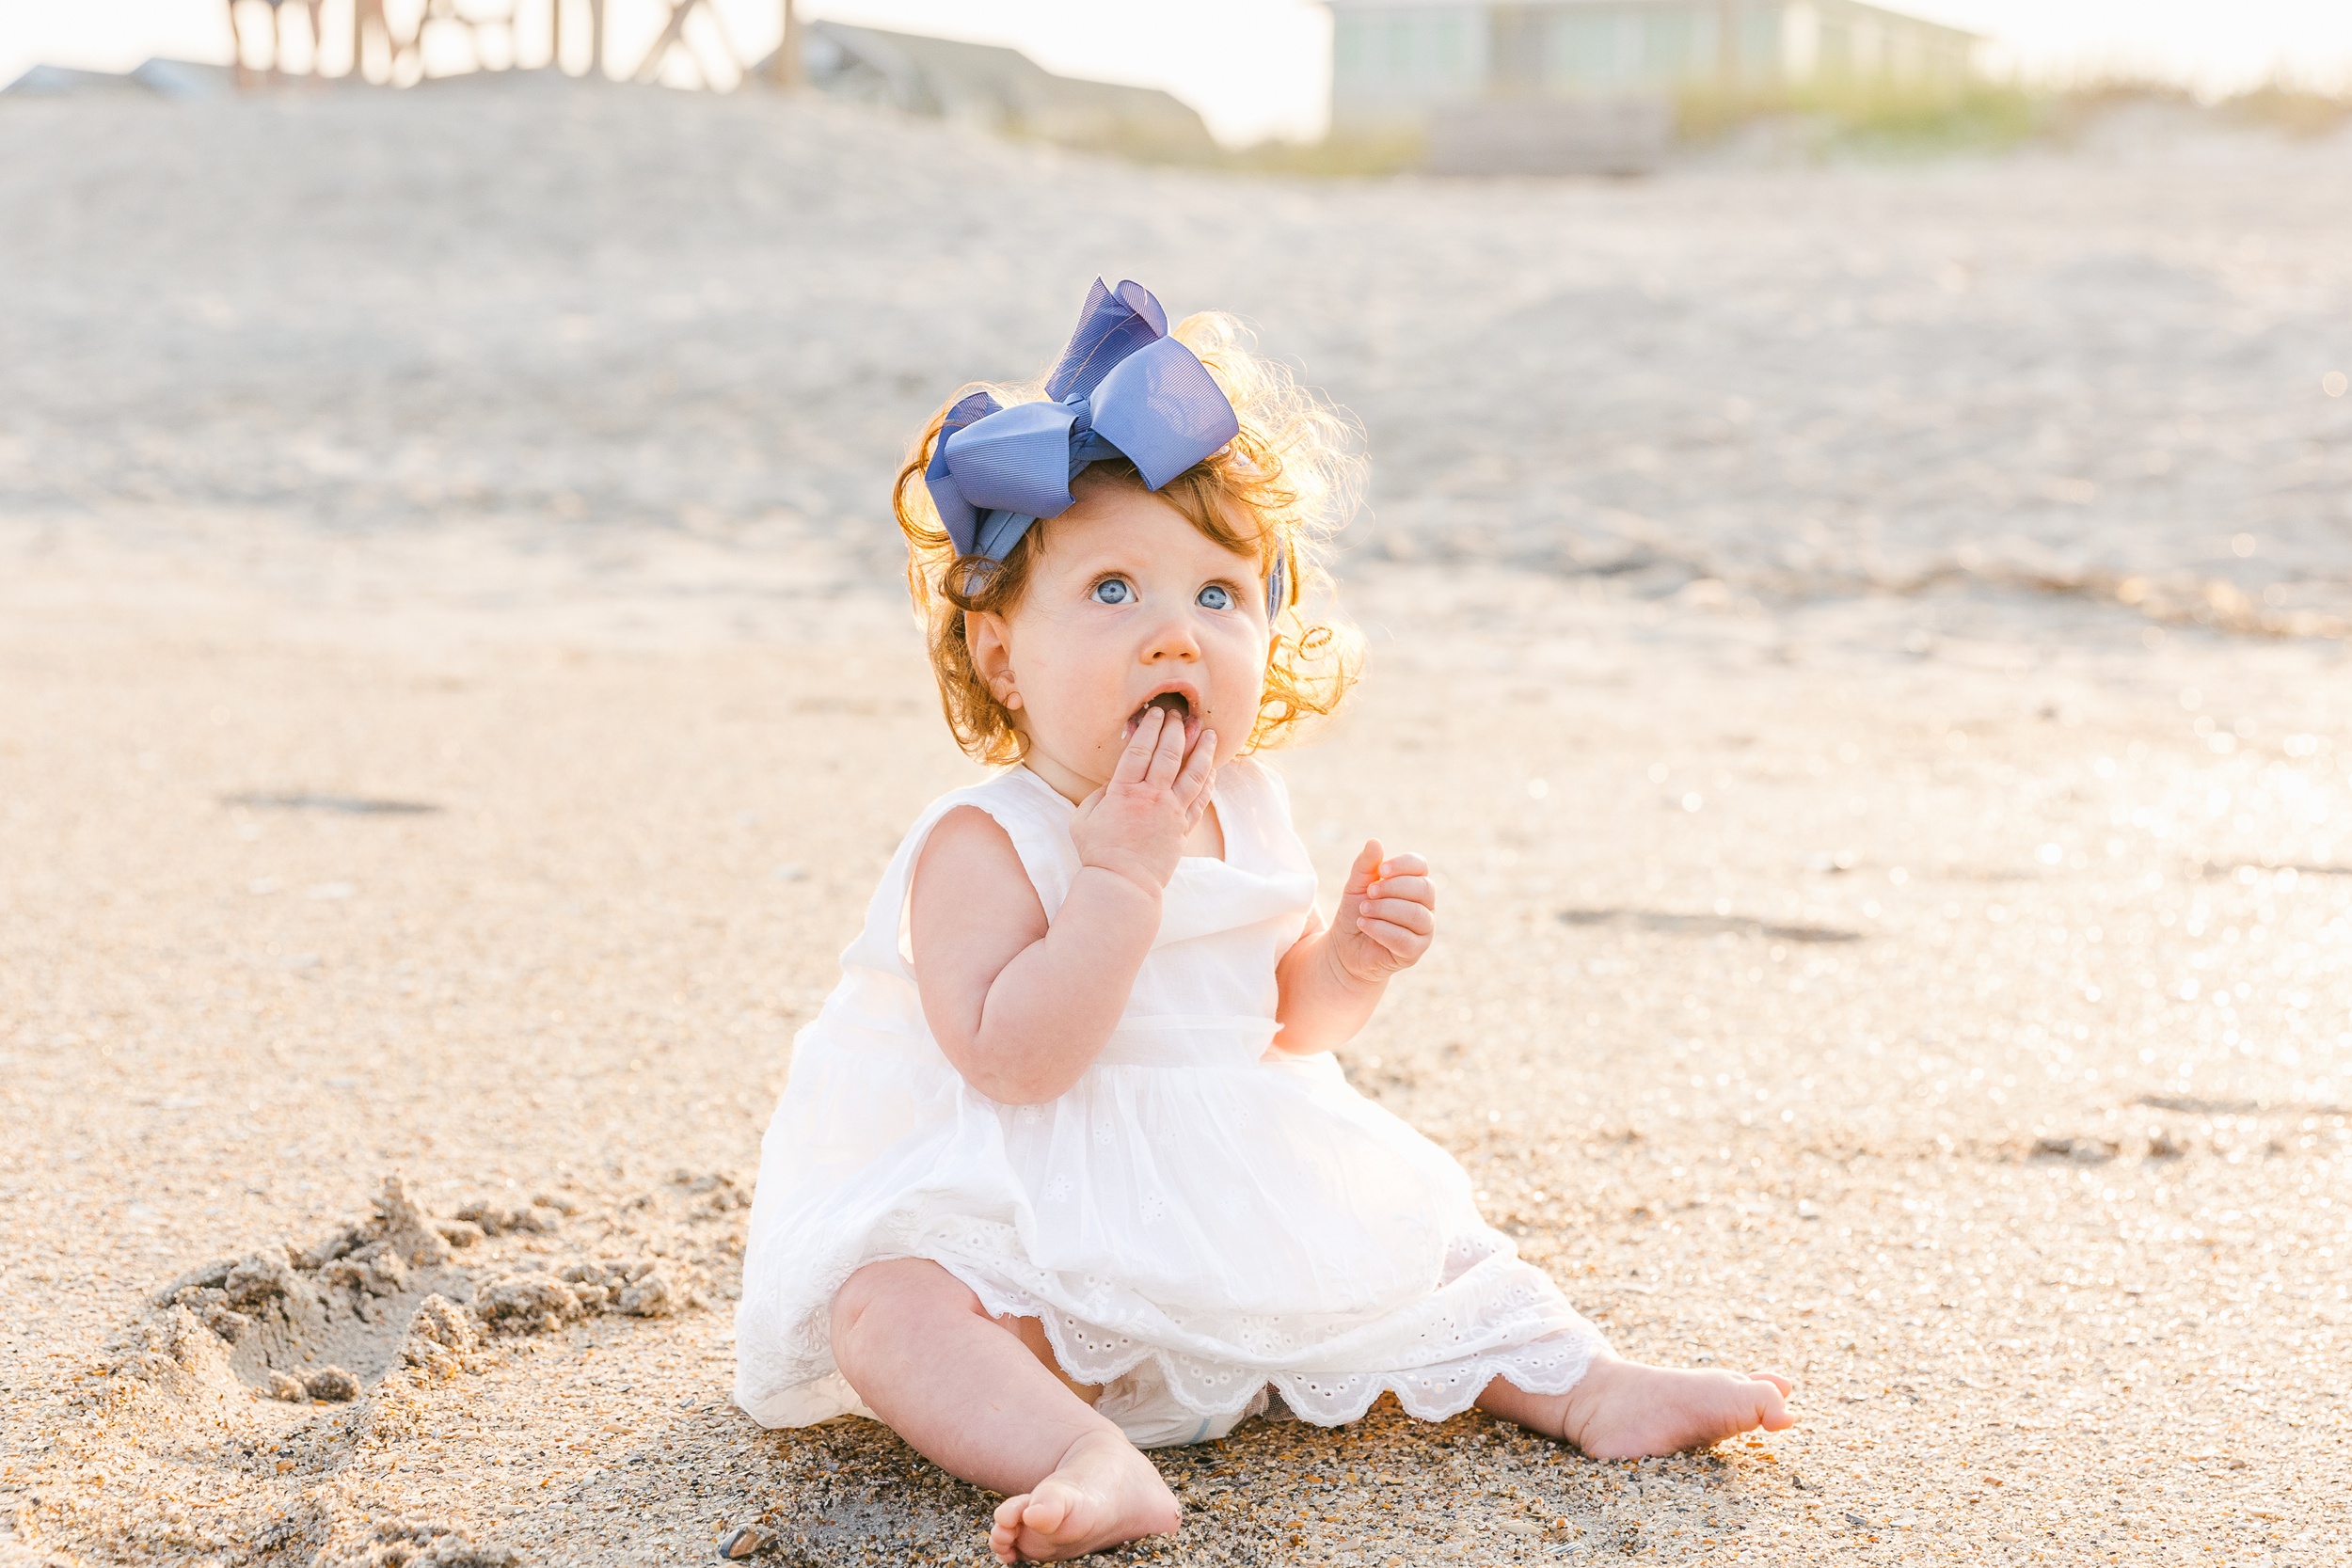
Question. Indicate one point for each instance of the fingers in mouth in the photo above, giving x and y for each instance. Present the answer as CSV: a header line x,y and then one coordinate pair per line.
x,y
1176,705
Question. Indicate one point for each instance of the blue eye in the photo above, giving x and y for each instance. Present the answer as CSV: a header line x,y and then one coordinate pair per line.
x,y
1112,590
1216,596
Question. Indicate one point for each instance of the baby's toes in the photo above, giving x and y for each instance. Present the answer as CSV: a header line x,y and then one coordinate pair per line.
x,y
1004,1535
1046,1510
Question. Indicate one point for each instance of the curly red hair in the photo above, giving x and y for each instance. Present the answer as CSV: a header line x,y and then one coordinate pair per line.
x,y
1278,489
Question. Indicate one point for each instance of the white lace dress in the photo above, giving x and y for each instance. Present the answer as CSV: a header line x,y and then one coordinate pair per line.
x,y
1197,1213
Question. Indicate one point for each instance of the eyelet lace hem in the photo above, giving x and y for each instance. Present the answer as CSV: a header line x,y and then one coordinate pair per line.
x,y
1506,1315
1092,1354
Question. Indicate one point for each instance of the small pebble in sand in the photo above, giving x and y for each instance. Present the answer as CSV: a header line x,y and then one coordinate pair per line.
x,y
742,1543
331,1384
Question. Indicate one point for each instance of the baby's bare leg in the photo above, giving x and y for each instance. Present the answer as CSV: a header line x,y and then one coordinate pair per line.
x,y
1623,1409
971,1396
1031,1333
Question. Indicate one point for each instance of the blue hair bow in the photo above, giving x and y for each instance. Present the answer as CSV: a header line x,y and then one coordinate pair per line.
x,y
1123,387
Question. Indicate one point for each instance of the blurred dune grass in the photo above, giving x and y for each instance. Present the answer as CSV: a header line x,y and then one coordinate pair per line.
x,y
2298,110
1931,119
1925,116
1868,120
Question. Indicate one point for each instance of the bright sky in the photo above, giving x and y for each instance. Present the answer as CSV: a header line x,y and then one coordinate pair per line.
x,y
1259,68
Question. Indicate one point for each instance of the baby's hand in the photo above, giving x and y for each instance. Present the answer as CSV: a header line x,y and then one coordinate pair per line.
x,y
1135,824
1388,914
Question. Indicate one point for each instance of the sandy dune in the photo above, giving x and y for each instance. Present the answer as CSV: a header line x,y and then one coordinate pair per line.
x,y
528,298
452,711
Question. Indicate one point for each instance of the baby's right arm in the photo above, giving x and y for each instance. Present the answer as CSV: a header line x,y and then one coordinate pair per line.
x,y
1021,1005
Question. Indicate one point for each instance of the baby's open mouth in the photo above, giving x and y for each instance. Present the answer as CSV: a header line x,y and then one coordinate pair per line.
x,y
1177,706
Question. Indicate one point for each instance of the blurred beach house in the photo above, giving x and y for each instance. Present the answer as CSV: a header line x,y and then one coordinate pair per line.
x,y
1556,85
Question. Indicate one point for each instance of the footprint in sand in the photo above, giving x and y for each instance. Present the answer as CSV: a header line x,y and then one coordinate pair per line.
x,y
259,1378
328,1320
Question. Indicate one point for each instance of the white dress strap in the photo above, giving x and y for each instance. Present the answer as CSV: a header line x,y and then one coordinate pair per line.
x,y
1033,817
1037,819
1254,813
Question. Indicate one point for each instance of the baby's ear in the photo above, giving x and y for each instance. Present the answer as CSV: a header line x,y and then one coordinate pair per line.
x,y
992,656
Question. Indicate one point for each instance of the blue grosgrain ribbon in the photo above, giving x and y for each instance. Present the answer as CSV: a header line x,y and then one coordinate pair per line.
x,y
1123,387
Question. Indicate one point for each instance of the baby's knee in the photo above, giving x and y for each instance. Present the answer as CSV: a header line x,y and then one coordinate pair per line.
x,y
900,1293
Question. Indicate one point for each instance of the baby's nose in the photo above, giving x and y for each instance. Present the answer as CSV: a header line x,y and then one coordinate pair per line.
x,y
1172,640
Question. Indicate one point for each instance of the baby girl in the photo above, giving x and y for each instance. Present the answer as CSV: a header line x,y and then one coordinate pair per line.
x,y
1065,1169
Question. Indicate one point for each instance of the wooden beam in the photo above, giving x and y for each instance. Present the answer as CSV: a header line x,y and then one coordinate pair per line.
x,y
726,43
784,65
673,36
650,67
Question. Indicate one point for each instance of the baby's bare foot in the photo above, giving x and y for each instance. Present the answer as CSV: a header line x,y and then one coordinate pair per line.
x,y
1103,1492
1622,1409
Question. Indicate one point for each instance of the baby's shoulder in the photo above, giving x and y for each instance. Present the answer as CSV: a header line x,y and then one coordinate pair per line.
x,y
962,830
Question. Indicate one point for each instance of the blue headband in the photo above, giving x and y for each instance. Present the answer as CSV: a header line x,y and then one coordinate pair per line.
x,y
1123,387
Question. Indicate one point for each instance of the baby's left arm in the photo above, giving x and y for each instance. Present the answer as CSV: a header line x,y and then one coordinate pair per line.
x,y
1332,978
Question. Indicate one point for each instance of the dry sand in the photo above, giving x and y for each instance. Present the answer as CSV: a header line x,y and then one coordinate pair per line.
x,y
1942,995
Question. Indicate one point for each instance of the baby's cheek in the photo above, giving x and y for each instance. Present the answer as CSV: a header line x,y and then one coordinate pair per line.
x,y
1242,686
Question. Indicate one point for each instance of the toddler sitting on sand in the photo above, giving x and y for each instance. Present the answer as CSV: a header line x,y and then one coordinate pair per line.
x,y
1064,1168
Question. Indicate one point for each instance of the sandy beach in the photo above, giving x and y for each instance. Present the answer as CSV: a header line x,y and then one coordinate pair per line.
x,y
1863,646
